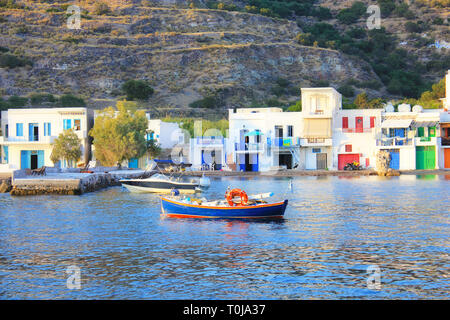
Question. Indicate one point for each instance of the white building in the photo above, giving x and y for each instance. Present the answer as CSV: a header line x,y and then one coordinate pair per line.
x,y
29,133
319,108
354,137
410,136
263,138
208,150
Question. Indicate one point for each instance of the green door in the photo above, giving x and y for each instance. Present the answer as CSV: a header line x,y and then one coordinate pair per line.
x,y
425,158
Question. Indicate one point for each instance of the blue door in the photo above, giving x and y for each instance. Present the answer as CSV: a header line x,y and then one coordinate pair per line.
x,y
255,163
133,163
395,159
24,159
40,158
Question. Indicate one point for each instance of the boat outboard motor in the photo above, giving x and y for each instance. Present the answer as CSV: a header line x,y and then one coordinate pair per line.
x,y
204,182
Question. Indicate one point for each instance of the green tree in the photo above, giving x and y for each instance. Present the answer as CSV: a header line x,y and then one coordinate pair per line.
x,y
137,89
66,147
153,149
119,135
297,107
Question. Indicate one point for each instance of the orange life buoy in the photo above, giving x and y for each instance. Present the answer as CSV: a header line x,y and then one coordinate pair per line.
x,y
236,193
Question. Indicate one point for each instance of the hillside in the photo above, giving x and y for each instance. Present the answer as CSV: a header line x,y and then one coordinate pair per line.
x,y
234,58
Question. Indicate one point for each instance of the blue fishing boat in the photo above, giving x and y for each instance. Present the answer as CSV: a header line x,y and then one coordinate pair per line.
x,y
248,207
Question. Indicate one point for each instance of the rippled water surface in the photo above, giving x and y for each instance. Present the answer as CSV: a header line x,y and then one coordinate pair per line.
x,y
334,228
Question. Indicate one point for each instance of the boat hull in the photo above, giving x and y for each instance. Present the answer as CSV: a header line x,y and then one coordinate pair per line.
x,y
175,209
162,187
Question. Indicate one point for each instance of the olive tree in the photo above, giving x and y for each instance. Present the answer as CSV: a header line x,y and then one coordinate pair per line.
x,y
66,147
119,134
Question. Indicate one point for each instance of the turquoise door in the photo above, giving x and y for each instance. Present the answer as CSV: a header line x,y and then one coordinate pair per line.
x,y
40,158
5,154
133,163
25,159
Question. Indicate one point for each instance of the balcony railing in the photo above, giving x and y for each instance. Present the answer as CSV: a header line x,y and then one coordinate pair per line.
x,y
286,142
445,141
357,130
315,142
253,146
210,141
388,142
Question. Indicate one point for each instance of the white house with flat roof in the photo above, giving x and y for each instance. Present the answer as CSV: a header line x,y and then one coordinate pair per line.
x,y
261,139
319,108
28,133
354,132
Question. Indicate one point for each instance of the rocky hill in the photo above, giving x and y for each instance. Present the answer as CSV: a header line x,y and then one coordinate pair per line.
x,y
186,53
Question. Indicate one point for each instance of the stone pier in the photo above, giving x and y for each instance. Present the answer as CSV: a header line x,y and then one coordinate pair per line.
x,y
71,183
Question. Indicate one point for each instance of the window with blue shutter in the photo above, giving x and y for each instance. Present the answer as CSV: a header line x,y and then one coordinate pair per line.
x,y
67,124
19,129
47,129
6,131
5,154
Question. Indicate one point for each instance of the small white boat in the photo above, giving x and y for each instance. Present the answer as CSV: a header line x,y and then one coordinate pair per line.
x,y
159,183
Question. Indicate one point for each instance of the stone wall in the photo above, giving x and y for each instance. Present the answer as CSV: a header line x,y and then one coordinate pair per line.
x,y
89,183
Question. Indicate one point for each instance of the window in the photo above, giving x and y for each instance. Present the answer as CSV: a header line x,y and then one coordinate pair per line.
x,y
6,131
359,124
348,148
77,124
421,132
316,150
19,129
258,136
47,129
290,131
67,124
372,122
432,131
344,122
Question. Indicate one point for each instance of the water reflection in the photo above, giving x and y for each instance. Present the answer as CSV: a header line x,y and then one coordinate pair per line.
x,y
333,230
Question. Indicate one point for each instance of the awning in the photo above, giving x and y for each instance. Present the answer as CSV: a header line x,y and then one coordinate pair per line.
x,y
424,124
396,123
445,124
254,133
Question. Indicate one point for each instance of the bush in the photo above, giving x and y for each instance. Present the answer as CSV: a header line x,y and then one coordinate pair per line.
x,y
347,90
297,107
322,13
40,98
11,61
352,14
69,100
10,4
137,90
413,27
101,8
386,7
207,102
16,101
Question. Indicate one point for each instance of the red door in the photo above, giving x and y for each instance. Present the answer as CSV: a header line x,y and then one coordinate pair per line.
x,y
359,125
343,159
447,158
